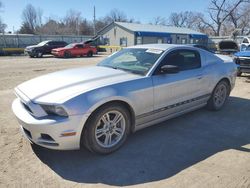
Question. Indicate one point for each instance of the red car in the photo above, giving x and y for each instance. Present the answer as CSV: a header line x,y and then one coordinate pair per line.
x,y
74,49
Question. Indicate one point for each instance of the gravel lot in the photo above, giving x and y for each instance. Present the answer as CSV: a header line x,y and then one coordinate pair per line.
x,y
199,149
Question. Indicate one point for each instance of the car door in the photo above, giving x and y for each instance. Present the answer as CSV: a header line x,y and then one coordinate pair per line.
x,y
48,47
76,50
181,88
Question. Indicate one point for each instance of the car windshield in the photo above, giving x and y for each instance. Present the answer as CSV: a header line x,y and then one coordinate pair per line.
x,y
134,60
42,43
247,48
69,46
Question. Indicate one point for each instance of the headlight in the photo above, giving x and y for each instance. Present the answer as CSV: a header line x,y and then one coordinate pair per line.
x,y
236,59
54,110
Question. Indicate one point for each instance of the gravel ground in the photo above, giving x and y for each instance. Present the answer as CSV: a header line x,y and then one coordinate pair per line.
x,y
199,149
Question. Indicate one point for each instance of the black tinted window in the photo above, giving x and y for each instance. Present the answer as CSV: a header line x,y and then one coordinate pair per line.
x,y
184,59
245,41
56,43
79,46
51,43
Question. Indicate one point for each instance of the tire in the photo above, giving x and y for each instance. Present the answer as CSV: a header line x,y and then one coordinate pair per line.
x,y
239,73
219,96
31,56
90,54
96,134
67,54
39,54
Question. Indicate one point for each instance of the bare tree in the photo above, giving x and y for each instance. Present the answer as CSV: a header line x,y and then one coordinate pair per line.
x,y
219,11
51,27
32,19
72,22
181,19
239,19
159,21
2,25
116,15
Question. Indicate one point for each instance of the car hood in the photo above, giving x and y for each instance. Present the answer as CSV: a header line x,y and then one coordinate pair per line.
x,y
243,54
60,86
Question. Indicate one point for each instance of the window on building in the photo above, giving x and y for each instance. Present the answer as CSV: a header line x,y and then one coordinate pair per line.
x,y
139,40
123,41
106,41
183,41
159,41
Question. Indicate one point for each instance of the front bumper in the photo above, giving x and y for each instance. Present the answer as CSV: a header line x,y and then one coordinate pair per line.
x,y
49,131
57,54
243,64
29,52
244,69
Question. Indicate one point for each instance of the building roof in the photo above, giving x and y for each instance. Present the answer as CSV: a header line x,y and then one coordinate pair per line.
x,y
135,27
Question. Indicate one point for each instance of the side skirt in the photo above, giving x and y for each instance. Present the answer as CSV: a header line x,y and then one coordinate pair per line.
x,y
166,113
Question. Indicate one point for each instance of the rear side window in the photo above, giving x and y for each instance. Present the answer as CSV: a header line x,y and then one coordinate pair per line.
x,y
79,45
52,43
184,59
56,43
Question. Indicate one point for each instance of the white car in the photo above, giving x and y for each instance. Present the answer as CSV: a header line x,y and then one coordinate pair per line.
x,y
137,87
245,44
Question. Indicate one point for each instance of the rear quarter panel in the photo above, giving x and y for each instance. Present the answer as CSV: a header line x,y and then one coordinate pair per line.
x,y
218,68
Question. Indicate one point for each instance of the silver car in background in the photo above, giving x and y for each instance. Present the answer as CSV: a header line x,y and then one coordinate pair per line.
x,y
137,87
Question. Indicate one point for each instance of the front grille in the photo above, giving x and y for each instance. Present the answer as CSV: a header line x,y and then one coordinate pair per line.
x,y
245,62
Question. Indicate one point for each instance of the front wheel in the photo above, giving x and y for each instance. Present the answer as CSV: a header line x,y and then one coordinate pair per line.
x,y
39,54
90,54
219,96
67,54
107,129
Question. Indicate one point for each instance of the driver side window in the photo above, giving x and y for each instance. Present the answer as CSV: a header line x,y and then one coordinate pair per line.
x,y
183,59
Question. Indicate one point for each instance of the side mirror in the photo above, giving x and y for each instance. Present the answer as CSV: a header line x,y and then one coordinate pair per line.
x,y
169,69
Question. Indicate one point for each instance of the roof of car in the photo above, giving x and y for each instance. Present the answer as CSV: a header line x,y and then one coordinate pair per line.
x,y
154,46
159,46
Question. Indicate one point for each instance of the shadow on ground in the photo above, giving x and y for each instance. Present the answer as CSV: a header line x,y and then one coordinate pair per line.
x,y
158,152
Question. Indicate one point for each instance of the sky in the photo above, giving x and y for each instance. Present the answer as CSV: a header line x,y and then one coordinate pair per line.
x,y
141,10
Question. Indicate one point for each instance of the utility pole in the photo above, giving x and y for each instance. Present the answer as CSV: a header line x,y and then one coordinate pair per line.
x,y
94,23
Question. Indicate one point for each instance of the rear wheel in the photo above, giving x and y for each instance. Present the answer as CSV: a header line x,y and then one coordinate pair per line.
x,y
107,129
219,96
67,54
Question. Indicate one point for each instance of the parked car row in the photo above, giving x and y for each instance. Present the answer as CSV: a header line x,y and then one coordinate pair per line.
x,y
60,49
240,53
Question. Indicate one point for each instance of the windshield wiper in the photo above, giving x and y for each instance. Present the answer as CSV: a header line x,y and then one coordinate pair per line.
x,y
123,69
130,70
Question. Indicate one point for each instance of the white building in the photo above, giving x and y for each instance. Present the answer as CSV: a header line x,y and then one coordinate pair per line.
x,y
129,34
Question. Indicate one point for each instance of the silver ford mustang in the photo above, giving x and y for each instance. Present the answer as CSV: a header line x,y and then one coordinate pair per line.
x,y
98,107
